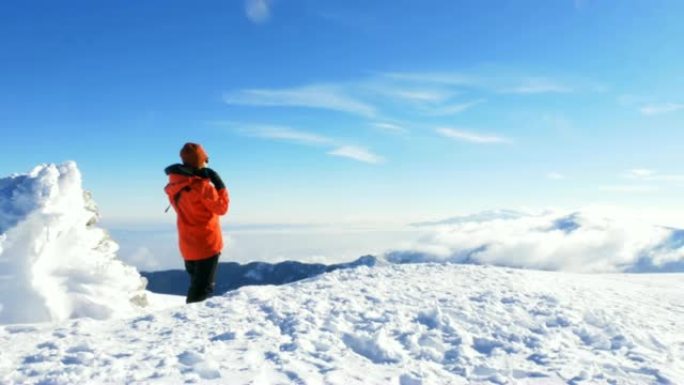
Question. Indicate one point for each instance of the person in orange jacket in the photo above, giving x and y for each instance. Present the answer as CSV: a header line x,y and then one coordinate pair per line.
x,y
199,197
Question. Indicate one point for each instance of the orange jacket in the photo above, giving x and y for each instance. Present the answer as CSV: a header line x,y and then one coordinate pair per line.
x,y
198,207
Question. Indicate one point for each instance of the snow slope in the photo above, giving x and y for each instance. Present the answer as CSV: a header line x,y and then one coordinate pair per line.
x,y
391,324
55,263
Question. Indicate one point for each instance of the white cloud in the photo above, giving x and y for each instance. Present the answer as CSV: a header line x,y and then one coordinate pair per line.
x,y
258,11
314,96
454,108
390,127
537,86
493,82
287,134
468,136
640,173
442,78
426,93
652,175
428,96
658,109
291,135
357,153
583,241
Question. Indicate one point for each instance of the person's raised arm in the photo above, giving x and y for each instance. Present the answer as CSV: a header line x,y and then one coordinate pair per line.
x,y
216,198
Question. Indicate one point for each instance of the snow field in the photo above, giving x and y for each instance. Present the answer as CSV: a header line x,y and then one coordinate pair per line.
x,y
394,324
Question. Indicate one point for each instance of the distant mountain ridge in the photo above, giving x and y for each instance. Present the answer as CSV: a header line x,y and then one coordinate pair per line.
x,y
232,275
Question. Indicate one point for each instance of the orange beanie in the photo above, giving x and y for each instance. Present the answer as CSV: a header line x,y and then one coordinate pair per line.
x,y
193,155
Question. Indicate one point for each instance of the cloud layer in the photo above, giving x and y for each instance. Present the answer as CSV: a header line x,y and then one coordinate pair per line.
x,y
582,241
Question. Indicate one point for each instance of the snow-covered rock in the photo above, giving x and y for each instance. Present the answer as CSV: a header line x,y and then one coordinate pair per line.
x,y
55,263
391,324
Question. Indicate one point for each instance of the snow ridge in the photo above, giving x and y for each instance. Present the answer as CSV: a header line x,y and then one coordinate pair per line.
x,y
55,263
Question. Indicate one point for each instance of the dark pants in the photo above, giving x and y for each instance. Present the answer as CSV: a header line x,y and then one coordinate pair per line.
x,y
202,278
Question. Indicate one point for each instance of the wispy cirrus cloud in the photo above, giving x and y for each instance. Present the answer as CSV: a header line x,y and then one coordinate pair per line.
x,y
380,95
639,173
506,83
536,86
659,109
313,96
645,174
470,136
441,78
642,181
357,153
291,135
555,176
258,11
422,95
412,93
647,105
390,127
453,109
417,96
287,134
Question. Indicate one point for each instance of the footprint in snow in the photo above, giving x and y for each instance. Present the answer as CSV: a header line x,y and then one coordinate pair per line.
x,y
379,349
20,329
47,346
82,348
486,346
198,365
228,336
147,318
410,379
189,358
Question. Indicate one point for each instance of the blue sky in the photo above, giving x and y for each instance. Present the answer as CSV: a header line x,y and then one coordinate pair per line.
x,y
326,112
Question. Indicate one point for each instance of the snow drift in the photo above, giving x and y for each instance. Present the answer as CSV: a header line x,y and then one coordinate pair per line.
x,y
55,263
582,241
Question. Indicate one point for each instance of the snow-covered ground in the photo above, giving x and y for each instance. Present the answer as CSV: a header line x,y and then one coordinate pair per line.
x,y
392,324
74,313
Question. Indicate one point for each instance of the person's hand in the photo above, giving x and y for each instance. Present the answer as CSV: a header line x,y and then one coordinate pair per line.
x,y
213,176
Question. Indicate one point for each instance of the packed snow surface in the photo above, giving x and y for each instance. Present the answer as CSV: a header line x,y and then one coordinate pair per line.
x,y
390,324
55,263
